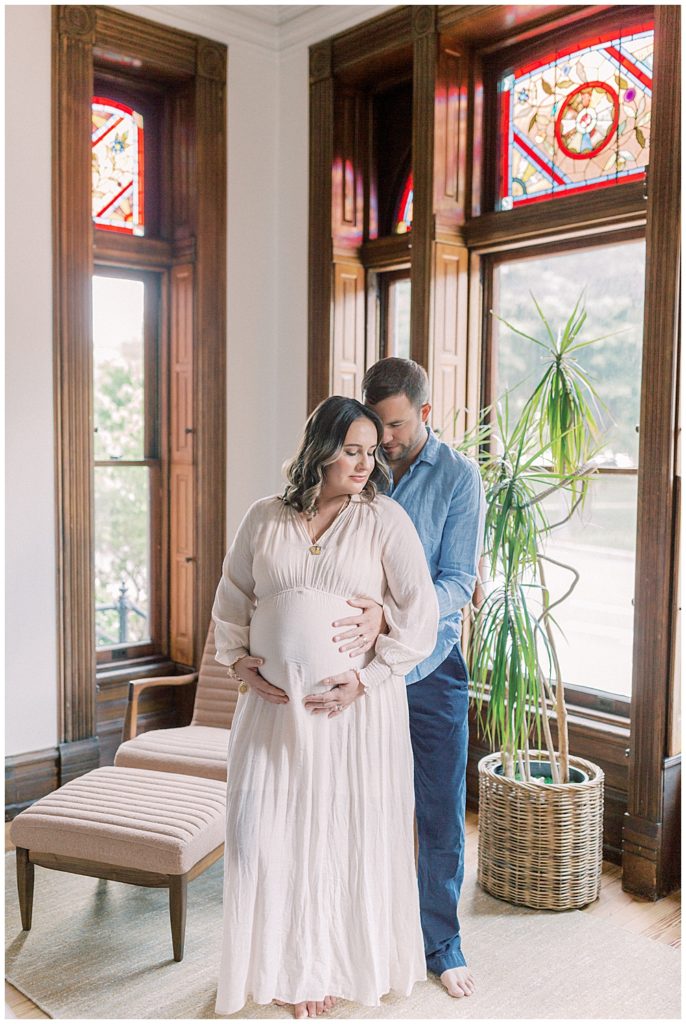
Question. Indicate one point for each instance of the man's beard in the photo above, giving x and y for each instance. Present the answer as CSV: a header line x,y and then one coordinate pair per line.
x,y
402,452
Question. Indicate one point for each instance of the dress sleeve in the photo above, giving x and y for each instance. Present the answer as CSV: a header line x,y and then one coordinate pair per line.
x,y
410,603
234,602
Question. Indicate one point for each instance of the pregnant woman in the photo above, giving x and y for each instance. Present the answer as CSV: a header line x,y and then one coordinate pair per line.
x,y
320,889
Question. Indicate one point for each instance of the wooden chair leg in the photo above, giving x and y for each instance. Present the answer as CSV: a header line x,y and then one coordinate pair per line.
x,y
25,872
178,891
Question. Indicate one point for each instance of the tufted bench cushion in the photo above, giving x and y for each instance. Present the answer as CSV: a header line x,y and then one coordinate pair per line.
x,y
191,750
128,817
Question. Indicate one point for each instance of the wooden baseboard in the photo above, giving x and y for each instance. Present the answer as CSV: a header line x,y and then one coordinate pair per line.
x,y
28,777
78,757
652,849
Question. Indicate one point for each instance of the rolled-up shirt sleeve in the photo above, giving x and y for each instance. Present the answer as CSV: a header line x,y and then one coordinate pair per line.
x,y
410,604
461,545
234,602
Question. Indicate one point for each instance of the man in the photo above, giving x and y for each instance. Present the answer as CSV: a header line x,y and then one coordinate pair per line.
x,y
441,490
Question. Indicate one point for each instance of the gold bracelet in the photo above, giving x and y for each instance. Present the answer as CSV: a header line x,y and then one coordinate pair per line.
x,y
242,685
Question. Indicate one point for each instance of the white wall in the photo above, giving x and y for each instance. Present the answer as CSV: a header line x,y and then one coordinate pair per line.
x,y
266,301
31,660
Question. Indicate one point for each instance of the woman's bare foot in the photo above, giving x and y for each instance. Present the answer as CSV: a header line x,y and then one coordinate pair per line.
x,y
311,1008
458,981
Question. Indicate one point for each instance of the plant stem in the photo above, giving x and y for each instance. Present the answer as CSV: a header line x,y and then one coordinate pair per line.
x,y
560,707
546,730
585,470
527,760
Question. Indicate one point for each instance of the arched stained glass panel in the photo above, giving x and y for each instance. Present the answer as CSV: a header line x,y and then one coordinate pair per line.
x,y
578,119
402,222
117,159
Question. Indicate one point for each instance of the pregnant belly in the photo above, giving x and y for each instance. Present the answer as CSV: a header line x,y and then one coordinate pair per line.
x,y
292,632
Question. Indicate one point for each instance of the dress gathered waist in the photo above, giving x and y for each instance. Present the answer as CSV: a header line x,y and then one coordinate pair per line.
x,y
292,631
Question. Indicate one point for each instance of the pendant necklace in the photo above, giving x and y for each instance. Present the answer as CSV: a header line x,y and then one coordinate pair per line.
x,y
314,548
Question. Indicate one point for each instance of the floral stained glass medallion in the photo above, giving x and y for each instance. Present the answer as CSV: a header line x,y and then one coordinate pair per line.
x,y
117,158
402,222
577,120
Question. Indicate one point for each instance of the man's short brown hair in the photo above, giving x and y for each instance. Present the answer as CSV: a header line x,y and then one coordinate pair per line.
x,y
395,376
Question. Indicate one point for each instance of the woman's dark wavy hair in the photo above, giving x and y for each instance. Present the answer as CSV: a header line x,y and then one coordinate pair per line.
x,y
321,444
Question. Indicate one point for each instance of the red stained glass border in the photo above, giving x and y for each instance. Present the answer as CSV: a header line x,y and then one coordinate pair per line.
x,y
402,205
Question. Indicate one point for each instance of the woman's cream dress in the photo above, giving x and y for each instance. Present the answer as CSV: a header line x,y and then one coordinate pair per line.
x,y
320,890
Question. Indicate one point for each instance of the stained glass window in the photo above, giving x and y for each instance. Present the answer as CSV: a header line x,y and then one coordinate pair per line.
x,y
577,120
402,222
117,157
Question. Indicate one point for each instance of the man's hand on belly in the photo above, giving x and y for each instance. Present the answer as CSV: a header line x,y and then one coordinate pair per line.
x,y
365,627
247,669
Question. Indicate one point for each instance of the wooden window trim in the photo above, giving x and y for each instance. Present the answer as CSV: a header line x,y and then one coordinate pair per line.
x,y
156,443
195,68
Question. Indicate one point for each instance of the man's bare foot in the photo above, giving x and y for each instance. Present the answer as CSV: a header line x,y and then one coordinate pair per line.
x,y
458,981
311,1008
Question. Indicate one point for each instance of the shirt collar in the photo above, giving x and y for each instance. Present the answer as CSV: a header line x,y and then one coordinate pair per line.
x,y
429,452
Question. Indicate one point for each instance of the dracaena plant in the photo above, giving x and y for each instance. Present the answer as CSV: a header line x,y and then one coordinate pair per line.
x,y
549,448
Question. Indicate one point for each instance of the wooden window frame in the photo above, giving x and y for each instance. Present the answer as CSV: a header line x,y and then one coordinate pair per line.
x,y
154,458
191,241
385,280
588,698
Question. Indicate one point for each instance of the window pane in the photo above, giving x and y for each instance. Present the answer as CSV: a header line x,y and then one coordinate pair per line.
x,y
578,119
399,318
117,166
122,554
600,541
613,279
118,368
597,619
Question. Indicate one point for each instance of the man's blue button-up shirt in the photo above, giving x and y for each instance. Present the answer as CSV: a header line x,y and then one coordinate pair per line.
x,y
443,495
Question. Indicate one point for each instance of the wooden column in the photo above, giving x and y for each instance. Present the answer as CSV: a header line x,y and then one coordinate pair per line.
x,y
73,38
425,56
320,249
440,259
450,258
651,828
209,362
348,340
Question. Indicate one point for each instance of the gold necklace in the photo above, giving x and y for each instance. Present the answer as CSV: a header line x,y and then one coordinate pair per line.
x,y
314,548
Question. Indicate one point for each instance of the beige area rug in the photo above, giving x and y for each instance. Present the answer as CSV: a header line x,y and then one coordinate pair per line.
x,y
101,950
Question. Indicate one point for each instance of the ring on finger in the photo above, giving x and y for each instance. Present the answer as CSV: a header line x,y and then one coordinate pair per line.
x,y
363,638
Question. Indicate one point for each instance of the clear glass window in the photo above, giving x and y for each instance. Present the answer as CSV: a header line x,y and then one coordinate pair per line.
x,y
122,473
599,541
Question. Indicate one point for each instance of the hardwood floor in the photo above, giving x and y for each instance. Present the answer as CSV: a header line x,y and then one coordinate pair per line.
x,y
660,921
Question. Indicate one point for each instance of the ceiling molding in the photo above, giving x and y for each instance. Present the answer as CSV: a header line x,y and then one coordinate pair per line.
x,y
274,28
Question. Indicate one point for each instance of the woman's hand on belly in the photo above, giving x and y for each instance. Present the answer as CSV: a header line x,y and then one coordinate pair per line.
x,y
247,669
345,688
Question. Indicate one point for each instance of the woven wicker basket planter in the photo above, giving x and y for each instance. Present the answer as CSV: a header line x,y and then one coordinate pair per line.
x,y
541,845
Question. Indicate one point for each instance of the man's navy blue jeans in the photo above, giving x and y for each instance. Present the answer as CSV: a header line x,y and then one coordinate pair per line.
x,y
440,732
